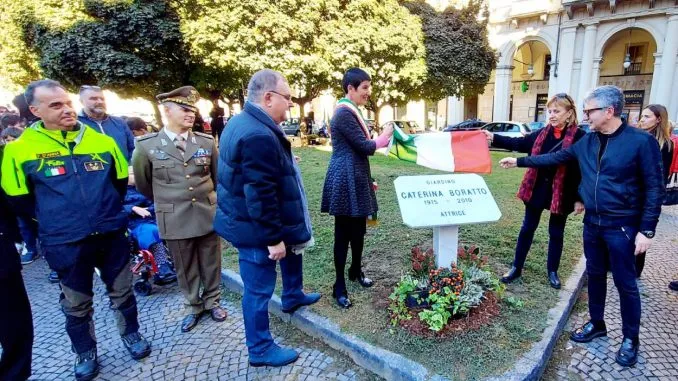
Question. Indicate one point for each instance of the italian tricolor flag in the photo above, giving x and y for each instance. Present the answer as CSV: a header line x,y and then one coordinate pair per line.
x,y
459,151
55,171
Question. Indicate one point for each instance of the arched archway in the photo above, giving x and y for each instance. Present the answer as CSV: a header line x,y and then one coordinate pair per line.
x,y
627,61
530,82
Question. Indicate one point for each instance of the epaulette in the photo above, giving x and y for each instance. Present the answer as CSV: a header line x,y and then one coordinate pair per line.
x,y
204,135
147,136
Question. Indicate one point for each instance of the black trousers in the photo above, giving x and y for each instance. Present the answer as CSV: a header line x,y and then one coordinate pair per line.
x,y
75,263
348,231
16,326
556,236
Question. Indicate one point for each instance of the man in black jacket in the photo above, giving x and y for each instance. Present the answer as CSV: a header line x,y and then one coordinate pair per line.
x,y
16,321
622,188
262,211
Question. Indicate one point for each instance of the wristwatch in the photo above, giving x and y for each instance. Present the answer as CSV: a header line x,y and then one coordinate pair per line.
x,y
647,233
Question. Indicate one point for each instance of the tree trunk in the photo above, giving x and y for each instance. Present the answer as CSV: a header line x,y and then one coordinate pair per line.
x,y
156,111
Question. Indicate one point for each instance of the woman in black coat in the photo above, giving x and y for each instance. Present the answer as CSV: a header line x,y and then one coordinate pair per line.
x,y
348,193
553,189
655,120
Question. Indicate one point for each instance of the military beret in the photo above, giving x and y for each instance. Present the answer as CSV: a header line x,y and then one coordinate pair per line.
x,y
185,97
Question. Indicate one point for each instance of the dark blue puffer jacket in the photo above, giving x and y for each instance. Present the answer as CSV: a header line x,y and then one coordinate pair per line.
x,y
258,197
625,187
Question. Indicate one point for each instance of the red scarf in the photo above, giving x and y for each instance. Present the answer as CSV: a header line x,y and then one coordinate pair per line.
x,y
530,178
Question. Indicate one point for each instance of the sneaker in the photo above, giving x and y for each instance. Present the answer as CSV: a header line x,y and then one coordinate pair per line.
x,y
86,365
20,247
137,346
28,257
165,275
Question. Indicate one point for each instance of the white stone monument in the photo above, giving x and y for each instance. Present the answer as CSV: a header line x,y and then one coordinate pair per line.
x,y
444,202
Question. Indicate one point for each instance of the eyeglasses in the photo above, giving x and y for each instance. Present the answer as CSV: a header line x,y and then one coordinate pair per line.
x,y
588,112
287,97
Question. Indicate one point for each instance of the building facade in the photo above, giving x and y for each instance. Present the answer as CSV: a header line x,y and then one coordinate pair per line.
x,y
547,47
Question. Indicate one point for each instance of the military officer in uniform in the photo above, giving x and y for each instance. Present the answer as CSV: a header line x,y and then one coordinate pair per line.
x,y
177,169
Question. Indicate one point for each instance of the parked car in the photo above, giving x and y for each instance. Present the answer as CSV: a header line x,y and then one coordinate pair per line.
x,y
510,129
371,127
536,126
408,126
291,126
467,125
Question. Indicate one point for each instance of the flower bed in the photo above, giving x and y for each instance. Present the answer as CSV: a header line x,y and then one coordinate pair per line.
x,y
434,297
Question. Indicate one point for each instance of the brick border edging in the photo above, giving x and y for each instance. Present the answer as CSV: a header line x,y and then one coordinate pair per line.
x,y
393,366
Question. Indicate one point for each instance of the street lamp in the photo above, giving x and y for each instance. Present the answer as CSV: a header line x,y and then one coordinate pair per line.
x,y
530,67
627,57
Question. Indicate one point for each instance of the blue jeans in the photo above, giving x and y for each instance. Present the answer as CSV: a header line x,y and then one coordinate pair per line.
x,y
612,248
29,232
556,234
259,276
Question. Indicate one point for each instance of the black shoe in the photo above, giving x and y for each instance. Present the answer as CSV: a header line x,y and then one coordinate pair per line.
x,y
674,285
554,280
361,278
165,275
53,277
628,353
587,332
342,298
86,365
511,275
137,346
189,322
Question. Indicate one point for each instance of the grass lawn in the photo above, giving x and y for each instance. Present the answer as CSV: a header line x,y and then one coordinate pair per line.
x,y
471,355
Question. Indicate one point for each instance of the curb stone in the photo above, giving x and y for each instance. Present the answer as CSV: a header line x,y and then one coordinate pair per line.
x,y
393,366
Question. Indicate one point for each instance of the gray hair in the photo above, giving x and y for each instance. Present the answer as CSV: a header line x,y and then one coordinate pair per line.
x,y
29,93
261,82
607,96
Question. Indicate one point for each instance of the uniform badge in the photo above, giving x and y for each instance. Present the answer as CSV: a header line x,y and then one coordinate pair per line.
x,y
91,166
160,155
48,155
55,171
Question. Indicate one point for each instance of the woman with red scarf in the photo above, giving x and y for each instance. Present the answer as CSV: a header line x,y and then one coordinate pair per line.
x,y
553,189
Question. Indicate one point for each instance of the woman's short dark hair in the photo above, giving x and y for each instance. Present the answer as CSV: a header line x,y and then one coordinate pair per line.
x,y
354,77
136,124
9,120
14,132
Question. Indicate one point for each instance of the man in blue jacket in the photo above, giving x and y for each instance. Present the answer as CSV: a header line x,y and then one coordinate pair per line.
x,y
94,115
622,188
262,211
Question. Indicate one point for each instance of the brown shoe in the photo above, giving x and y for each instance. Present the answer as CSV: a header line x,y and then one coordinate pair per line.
x,y
189,322
218,314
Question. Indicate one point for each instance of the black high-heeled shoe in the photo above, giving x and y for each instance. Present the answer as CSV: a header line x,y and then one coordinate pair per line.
x,y
341,298
511,275
361,278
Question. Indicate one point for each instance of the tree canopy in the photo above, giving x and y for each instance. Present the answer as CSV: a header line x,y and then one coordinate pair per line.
x,y
139,48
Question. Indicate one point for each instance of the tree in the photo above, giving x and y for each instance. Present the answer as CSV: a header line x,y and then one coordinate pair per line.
x,y
459,58
132,47
383,38
18,63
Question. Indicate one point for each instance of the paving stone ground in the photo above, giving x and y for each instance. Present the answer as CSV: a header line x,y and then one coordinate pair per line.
x,y
212,351
658,358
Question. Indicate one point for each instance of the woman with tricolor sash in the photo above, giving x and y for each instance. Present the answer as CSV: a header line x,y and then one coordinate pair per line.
x,y
348,193
553,189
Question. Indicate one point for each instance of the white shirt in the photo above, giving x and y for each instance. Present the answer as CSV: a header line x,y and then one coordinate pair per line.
x,y
173,135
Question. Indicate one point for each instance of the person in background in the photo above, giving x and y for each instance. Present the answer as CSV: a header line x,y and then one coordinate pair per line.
x,y
217,119
137,126
94,115
12,120
553,188
10,134
655,120
263,212
623,190
24,112
348,192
